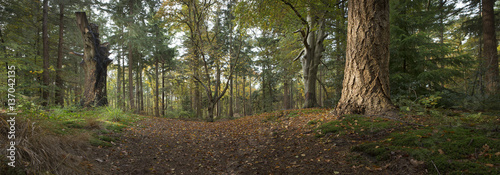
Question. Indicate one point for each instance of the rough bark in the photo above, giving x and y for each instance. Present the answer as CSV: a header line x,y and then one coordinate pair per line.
x,y
45,41
490,57
366,78
95,62
59,81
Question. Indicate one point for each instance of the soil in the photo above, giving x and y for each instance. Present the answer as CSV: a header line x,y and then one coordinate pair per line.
x,y
249,145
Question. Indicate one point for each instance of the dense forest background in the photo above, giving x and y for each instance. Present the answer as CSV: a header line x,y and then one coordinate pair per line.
x,y
229,58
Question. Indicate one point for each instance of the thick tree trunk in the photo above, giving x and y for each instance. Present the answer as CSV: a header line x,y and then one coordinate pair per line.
x,y
95,63
45,40
59,81
366,78
313,48
490,59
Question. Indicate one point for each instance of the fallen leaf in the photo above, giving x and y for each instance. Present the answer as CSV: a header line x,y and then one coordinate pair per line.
x,y
441,151
490,165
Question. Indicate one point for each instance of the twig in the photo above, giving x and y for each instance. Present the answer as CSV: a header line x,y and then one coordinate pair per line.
x,y
435,167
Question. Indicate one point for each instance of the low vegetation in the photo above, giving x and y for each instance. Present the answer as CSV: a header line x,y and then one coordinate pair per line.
x,y
57,140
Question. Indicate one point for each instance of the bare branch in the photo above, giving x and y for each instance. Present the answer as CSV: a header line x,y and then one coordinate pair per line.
x,y
300,54
203,84
76,53
296,12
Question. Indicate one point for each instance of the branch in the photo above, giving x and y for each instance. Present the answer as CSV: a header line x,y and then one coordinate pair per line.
x,y
324,64
230,74
323,85
300,54
296,12
76,53
206,88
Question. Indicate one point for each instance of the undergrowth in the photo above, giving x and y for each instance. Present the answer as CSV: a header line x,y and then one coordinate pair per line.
x,y
57,140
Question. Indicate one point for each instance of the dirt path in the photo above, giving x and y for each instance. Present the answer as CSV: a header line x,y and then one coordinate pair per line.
x,y
243,146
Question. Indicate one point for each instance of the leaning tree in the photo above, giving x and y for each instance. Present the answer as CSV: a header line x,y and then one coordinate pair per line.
x,y
95,62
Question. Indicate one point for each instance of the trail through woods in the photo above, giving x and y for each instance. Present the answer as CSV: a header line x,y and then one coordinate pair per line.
x,y
249,145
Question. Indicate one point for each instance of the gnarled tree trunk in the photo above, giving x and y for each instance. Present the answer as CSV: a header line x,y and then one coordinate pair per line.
x,y
95,62
366,78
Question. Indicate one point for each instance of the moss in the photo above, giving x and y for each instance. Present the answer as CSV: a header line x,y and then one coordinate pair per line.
x,y
454,150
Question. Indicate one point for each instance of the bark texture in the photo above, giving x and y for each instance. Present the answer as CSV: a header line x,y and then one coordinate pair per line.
x,y
366,78
95,62
490,61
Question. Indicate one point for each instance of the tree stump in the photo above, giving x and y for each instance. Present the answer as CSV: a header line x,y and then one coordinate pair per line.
x,y
95,62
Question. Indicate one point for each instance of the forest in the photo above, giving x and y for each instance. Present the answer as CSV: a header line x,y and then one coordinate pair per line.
x,y
250,86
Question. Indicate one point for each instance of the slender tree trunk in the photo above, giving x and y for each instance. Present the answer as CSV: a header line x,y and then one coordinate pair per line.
x,y
118,81
45,40
286,94
366,78
251,101
218,83
231,112
490,59
157,106
59,81
244,96
131,61
163,88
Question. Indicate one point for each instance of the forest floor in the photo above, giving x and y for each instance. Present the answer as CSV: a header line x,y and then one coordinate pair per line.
x,y
283,142
305,141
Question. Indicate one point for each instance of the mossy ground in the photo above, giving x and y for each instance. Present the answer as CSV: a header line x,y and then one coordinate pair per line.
x,y
451,144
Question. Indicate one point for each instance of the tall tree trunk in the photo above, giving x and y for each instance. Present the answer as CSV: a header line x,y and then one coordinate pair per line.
x,y
244,96
251,101
45,40
119,82
157,106
231,112
59,81
366,78
490,58
163,88
218,83
313,48
95,63
286,94
131,60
